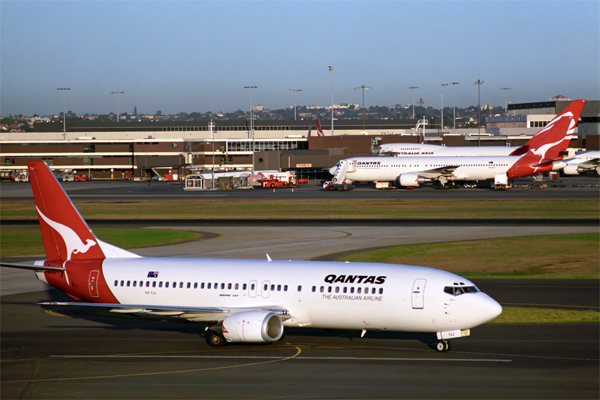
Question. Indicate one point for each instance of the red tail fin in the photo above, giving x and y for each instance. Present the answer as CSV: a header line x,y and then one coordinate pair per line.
x,y
556,136
319,129
66,236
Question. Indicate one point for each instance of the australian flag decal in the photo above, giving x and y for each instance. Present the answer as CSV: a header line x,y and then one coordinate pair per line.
x,y
152,274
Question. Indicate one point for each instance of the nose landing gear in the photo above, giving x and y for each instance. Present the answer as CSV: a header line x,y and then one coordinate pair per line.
x,y
442,345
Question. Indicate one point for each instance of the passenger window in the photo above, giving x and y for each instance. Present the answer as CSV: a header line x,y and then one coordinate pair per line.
x,y
216,286
252,287
272,288
166,284
127,283
352,290
345,289
222,286
358,290
237,286
314,289
285,288
299,288
244,286
189,285
195,285
116,283
337,289
329,289
202,285
265,287
122,283
147,283
134,283
322,289
208,286
229,286
380,290
279,288
373,291
141,283
154,284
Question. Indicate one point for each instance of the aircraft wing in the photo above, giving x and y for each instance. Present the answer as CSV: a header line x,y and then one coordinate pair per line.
x,y
435,173
196,314
31,267
594,162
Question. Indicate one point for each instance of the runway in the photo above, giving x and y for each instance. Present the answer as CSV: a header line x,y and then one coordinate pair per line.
x,y
77,353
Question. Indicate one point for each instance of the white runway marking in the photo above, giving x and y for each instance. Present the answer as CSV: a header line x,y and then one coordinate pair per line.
x,y
297,358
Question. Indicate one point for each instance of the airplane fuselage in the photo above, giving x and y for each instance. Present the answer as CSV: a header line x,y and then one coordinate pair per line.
x,y
331,295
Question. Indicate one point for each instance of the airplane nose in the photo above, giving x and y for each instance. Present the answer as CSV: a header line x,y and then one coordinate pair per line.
x,y
491,308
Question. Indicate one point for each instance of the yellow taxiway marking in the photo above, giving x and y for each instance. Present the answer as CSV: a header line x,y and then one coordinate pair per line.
x,y
56,314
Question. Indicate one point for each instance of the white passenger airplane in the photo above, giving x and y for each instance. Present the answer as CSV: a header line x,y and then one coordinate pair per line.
x,y
542,153
436,150
247,300
584,161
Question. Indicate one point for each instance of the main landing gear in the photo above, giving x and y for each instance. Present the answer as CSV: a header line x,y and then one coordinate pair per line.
x,y
214,339
442,345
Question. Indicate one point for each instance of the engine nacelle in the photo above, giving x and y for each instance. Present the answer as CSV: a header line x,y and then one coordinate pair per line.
x,y
571,169
411,179
253,327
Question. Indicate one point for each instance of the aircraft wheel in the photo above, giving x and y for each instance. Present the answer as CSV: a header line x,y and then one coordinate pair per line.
x,y
446,345
440,346
214,339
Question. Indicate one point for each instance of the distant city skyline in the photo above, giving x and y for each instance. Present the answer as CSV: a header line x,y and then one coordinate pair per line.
x,y
197,56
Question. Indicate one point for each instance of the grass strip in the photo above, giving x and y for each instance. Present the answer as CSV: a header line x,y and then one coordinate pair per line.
x,y
558,256
28,241
533,315
317,208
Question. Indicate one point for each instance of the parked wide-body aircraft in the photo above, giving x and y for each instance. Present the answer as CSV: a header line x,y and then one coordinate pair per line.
x,y
583,162
436,150
247,300
544,152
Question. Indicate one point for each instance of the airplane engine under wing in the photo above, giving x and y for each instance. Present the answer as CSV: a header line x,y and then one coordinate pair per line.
x,y
411,179
253,327
571,169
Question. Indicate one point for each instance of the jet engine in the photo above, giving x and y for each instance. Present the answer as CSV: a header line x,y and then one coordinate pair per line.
x,y
571,169
411,179
253,327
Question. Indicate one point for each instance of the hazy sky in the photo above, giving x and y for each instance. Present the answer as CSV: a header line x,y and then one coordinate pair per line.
x,y
185,56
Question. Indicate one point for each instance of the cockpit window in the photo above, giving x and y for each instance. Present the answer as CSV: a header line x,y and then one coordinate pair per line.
x,y
458,290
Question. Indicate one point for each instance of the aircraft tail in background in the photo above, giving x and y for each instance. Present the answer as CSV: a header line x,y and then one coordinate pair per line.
x,y
319,129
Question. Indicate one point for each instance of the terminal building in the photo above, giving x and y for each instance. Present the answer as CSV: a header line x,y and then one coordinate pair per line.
x,y
126,150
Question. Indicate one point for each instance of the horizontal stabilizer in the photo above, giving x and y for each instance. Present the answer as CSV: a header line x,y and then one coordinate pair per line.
x,y
31,267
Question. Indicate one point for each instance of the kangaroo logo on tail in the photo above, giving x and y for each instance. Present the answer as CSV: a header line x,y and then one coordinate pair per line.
x,y
73,242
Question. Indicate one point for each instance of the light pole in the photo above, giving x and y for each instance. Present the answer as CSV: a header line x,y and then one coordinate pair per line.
x,y
413,103
251,123
332,73
117,93
454,104
479,82
295,92
363,87
505,98
64,111
442,111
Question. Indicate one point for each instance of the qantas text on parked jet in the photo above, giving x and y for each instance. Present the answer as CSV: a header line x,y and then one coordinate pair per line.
x,y
541,154
247,300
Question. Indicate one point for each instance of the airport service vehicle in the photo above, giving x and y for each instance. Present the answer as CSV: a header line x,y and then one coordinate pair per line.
x,y
583,162
544,152
247,300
